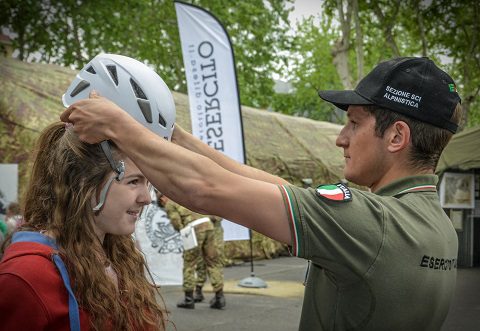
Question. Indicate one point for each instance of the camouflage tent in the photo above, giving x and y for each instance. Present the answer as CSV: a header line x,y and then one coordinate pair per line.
x,y
291,147
462,152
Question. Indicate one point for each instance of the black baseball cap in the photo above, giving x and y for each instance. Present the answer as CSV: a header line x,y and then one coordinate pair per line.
x,y
412,86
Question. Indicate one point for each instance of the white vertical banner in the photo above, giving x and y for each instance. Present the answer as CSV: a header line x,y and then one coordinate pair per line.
x,y
212,89
8,185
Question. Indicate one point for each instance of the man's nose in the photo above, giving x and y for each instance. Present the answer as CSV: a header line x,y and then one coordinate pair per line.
x,y
341,140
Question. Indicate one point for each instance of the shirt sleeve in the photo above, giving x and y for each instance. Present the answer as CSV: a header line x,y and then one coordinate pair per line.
x,y
343,237
20,307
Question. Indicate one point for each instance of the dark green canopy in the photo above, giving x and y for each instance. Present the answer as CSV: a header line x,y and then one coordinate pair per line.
x,y
462,152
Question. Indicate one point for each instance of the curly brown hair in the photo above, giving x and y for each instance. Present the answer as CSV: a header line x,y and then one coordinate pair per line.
x,y
67,174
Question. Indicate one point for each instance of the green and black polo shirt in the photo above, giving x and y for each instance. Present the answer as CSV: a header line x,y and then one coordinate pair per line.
x,y
379,261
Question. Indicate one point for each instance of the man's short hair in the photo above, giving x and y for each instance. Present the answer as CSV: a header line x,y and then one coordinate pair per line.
x,y
427,140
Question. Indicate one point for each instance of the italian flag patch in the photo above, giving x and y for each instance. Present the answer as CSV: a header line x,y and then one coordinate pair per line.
x,y
335,192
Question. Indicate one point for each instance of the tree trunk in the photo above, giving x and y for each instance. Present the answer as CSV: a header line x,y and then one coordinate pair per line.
x,y
469,62
358,41
342,45
21,46
340,60
421,28
388,25
340,51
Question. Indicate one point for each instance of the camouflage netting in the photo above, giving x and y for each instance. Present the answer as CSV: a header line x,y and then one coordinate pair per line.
x,y
291,147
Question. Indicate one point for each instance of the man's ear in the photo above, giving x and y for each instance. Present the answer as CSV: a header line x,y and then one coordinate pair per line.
x,y
398,136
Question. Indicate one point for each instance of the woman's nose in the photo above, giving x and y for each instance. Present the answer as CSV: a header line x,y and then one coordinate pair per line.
x,y
145,196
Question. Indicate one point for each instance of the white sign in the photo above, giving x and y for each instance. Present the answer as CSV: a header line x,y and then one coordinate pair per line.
x,y
161,245
8,185
212,87
189,238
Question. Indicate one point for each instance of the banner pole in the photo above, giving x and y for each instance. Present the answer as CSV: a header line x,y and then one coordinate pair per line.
x,y
252,273
252,281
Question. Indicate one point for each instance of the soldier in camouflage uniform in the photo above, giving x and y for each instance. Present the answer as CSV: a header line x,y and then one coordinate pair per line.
x,y
201,269
208,253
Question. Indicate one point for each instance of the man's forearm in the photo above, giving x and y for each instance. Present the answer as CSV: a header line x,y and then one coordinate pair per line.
x,y
188,141
165,164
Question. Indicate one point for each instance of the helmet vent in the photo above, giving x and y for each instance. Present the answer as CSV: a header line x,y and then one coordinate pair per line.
x,y
79,88
137,90
161,120
146,110
91,70
112,70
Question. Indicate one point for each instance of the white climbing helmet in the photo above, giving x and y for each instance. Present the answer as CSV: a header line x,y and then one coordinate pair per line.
x,y
131,85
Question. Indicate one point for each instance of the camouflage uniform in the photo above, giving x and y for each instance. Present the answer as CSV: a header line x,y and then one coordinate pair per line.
x,y
201,272
201,269
208,252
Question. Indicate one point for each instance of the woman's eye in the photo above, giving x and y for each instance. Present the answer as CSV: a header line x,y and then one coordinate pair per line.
x,y
133,182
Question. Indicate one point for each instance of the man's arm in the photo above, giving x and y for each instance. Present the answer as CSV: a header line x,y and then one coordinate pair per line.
x,y
191,179
188,141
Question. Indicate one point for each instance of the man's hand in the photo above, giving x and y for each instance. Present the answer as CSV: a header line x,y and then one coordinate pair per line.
x,y
178,134
93,119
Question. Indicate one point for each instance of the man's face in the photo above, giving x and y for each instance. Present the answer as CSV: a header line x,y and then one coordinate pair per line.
x,y
364,152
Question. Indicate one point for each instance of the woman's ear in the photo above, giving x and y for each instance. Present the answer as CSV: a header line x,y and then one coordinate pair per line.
x,y
398,137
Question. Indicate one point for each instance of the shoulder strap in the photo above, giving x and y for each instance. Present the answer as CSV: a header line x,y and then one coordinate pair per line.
x,y
36,237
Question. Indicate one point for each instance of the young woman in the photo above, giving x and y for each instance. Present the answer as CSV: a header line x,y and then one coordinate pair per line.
x,y
73,264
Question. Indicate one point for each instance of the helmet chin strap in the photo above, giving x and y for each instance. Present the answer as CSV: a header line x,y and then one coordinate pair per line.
x,y
118,167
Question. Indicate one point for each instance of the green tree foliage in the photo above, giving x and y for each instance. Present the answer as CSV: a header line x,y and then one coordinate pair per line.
x,y
446,31
258,33
454,33
70,32
312,70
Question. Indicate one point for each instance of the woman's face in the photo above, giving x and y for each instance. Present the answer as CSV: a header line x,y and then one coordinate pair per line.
x,y
123,204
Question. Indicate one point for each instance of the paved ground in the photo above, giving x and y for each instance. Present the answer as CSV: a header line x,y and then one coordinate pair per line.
x,y
278,307
464,313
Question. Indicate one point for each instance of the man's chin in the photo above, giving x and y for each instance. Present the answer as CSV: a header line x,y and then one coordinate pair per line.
x,y
353,179
348,176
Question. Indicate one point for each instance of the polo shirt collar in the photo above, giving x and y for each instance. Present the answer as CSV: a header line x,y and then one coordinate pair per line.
x,y
419,183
